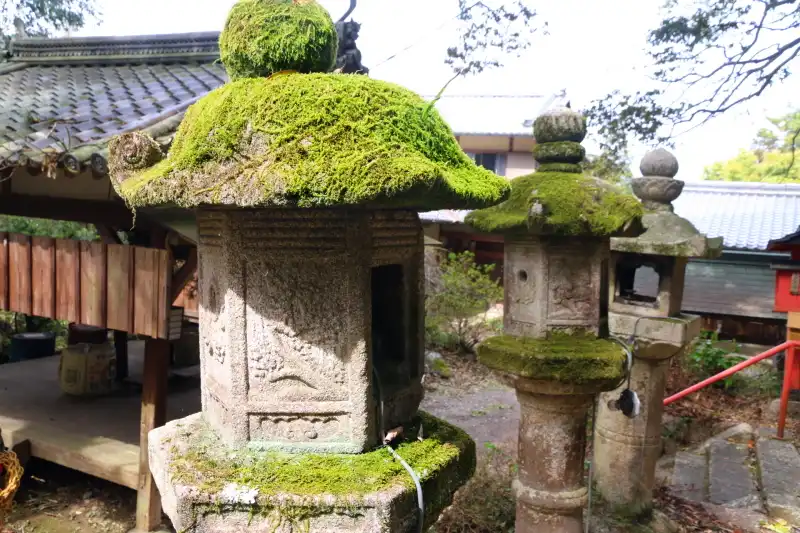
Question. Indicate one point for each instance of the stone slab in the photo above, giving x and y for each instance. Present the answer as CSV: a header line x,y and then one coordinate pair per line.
x,y
657,338
793,410
740,434
779,467
689,476
731,476
186,457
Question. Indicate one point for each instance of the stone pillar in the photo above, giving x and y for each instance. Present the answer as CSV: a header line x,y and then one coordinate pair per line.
x,y
646,312
550,488
627,450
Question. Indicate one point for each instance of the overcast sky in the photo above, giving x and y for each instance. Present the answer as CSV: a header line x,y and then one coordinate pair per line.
x,y
592,47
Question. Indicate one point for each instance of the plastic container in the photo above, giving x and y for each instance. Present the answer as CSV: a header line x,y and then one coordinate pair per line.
x,y
27,346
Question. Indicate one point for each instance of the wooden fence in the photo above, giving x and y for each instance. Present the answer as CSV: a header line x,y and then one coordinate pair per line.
x,y
125,288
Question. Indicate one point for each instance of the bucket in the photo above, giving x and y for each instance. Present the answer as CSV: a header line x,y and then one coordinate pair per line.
x,y
88,369
26,346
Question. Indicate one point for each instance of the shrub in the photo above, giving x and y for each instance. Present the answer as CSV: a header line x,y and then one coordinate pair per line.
x,y
708,359
456,315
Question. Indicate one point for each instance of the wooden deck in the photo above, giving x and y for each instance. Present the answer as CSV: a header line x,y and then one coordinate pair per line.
x,y
98,436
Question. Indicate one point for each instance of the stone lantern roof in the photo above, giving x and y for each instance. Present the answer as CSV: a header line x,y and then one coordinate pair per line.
x,y
665,232
286,133
558,199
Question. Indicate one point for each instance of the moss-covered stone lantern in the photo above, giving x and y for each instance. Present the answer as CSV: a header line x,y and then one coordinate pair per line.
x,y
557,224
646,294
305,186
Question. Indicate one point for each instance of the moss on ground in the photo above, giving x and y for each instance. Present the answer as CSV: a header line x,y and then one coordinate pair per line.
x,y
275,473
262,37
315,140
560,203
571,359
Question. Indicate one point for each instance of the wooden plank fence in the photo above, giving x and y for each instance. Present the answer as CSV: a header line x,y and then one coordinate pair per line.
x,y
125,288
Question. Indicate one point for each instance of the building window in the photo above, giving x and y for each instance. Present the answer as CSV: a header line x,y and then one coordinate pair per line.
x,y
494,162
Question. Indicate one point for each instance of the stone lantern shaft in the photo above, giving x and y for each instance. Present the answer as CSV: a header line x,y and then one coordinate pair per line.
x,y
645,298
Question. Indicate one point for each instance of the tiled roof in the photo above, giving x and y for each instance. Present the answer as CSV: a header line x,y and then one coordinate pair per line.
x,y
494,115
73,95
746,215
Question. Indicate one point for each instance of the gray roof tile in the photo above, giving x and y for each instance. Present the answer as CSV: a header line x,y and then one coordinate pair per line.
x,y
95,88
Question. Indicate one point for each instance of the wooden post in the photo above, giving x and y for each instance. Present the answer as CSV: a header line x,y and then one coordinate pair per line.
x,y
154,414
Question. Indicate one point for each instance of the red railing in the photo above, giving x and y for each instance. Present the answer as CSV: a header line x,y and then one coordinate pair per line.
x,y
791,378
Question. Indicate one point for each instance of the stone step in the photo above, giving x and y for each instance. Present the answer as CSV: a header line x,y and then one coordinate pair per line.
x,y
689,476
731,476
779,469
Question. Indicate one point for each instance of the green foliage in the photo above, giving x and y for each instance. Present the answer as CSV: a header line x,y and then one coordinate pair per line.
x,y
568,204
456,315
707,359
42,18
772,158
485,29
608,167
42,227
262,37
315,140
708,57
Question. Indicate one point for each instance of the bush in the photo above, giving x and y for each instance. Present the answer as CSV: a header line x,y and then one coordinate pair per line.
x,y
453,314
707,359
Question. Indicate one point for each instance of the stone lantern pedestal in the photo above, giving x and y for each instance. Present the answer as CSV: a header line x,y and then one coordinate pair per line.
x,y
645,311
558,225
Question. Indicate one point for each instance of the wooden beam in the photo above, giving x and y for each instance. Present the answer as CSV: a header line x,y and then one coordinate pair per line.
x,y
184,275
154,414
111,213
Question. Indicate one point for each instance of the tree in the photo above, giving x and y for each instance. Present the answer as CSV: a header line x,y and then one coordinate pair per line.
x,y
710,55
41,18
771,159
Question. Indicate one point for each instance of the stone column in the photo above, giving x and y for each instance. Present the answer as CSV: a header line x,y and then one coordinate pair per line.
x,y
550,488
626,450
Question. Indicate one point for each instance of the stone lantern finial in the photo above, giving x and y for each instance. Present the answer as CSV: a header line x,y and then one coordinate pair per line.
x,y
658,188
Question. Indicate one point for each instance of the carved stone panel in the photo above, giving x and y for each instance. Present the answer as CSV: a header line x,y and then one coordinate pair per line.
x,y
571,289
299,428
297,331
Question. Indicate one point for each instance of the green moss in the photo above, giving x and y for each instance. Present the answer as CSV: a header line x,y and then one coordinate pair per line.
x,y
559,152
441,367
570,359
274,473
262,37
315,140
560,203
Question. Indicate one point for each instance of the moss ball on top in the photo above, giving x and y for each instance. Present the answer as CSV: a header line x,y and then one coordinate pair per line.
x,y
314,140
262,37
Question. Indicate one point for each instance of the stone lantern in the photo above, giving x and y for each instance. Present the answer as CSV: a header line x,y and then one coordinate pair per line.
x,y
557,225
649,317
305,187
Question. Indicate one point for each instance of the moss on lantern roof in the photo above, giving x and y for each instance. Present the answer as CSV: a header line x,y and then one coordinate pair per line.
x,y
313,140
262,37
570,359
560,203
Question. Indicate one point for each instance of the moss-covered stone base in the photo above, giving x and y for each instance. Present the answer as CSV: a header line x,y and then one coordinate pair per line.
x,y
207,487
561,358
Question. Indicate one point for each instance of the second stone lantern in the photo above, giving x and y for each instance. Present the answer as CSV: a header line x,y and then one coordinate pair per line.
x,y
557,225
650,318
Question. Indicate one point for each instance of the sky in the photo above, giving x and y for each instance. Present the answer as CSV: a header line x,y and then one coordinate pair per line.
x,y
590,49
